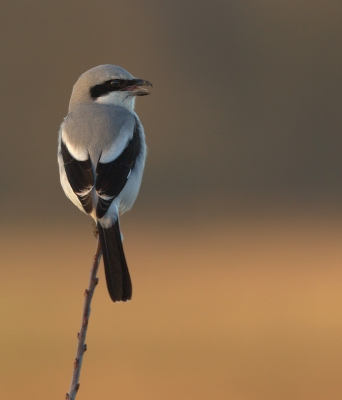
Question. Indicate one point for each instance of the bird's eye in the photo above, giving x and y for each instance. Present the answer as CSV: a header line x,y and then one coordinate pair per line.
x,y
115,83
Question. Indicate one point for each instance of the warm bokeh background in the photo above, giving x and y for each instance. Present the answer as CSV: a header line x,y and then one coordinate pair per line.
x,y
234,244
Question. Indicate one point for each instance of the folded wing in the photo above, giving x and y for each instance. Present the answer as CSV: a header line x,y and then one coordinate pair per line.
x,y
80,177
111,177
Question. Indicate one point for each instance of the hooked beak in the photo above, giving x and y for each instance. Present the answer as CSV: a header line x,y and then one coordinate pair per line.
x,y
136,87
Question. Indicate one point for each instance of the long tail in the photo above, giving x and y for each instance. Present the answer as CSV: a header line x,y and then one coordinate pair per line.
x,y
118,280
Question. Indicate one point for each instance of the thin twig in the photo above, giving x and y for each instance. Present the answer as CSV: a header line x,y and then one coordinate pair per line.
x,y
81,346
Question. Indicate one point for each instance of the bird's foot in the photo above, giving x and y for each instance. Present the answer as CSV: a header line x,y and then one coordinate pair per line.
x,y
95,230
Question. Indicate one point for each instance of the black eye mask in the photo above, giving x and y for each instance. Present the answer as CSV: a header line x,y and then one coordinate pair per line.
x,y
112,85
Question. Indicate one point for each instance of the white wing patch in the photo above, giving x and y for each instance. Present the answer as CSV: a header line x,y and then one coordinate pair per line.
x,y
78,152
118,146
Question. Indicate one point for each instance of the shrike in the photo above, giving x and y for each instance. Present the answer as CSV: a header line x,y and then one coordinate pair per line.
x,y
101,157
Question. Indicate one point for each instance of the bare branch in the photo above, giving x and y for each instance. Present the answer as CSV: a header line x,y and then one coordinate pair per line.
x,y
81,336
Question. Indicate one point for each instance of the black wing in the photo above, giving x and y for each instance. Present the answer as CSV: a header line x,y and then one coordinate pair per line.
x,y
80,177
112,177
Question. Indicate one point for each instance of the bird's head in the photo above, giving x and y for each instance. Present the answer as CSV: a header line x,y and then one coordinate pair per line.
x,y
108,84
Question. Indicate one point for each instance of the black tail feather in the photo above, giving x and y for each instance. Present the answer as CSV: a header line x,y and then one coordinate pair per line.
x,y
118,280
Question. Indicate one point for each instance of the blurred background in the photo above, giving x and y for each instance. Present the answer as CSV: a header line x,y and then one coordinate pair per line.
x,y
234,243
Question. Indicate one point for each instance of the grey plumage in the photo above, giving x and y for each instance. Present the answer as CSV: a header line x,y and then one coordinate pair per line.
x,y
101,156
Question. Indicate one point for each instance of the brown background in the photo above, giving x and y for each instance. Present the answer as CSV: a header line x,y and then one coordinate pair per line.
x,y
234,244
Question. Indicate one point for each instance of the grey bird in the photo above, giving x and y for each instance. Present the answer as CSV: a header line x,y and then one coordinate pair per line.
x,y
101,157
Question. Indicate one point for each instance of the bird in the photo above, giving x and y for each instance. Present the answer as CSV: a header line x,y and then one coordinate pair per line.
x,y
101,157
